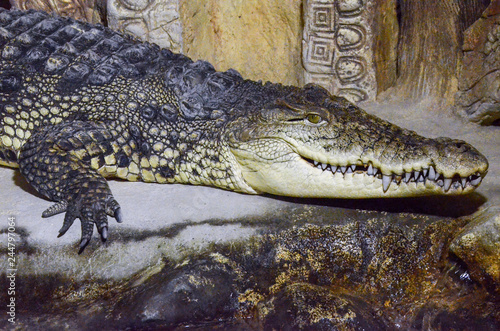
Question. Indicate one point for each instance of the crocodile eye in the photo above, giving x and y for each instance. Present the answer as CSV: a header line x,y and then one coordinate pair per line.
x,y
314,118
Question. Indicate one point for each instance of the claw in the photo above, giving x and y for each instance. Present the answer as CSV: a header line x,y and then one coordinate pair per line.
x,y
57,208
111,206
87,229
102,225
83,244
68,222
104,233
92,207
118,215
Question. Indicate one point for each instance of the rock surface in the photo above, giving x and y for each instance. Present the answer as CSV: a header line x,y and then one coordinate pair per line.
x,y
479,247
479,84
89,10
260,39
306,267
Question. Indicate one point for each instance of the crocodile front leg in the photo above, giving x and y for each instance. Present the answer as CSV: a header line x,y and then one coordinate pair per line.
x,y
57,162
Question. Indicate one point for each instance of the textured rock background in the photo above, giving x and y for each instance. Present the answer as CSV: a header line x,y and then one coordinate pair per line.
x,y
337,47
479,84
89,10
154,21
479,246
260,39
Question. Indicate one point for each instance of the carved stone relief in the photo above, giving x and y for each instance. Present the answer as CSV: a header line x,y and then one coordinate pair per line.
x,y
156,21
336,47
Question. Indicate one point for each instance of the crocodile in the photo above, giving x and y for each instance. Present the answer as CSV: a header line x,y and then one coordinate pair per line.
x,y
80,103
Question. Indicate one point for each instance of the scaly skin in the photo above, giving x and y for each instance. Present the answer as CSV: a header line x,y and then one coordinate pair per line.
x,y
79,102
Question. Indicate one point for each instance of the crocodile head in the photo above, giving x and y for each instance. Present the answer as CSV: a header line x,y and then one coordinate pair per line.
x,y
311,144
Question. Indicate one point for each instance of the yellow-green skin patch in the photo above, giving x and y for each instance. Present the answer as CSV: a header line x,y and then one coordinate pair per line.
x,y
182,161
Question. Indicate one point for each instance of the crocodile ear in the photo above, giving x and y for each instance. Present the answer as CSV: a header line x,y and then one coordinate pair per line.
x,y
283,104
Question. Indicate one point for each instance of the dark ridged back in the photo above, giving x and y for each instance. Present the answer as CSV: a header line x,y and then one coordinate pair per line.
x,y
81,53
84,54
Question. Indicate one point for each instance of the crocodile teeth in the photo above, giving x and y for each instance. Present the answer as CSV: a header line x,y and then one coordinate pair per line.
x,y
432,173
476,181
416,174
370,170
386,181
447,184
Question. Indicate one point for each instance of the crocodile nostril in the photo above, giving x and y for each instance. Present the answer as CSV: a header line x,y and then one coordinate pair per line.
x,y
460,146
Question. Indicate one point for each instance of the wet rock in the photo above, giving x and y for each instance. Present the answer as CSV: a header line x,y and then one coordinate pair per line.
x,y
433,318
479,83
187,293
319,267
478,245
309,307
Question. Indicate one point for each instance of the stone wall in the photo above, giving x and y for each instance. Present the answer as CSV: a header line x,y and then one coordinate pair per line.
x,y
260,39
155,21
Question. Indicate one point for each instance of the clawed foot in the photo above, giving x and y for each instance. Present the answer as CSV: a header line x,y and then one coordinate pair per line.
x,y
91,207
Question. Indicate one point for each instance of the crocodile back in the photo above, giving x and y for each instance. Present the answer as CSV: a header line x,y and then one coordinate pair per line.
x,y
81,53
